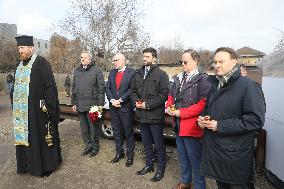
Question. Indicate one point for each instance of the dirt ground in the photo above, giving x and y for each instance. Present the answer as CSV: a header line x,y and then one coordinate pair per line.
x,y
85,172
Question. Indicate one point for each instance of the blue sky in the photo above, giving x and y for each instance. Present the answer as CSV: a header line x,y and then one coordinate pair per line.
x,y
205,24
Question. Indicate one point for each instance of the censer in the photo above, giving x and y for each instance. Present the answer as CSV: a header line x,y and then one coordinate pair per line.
x,y
48,136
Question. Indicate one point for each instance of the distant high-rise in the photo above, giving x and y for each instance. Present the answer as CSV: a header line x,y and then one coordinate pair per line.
x,y
8,32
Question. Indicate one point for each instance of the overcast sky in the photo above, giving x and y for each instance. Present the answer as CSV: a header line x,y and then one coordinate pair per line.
x,y
206,24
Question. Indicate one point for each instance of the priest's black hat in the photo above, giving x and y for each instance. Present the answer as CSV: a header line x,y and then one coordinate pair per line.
x,y
25,40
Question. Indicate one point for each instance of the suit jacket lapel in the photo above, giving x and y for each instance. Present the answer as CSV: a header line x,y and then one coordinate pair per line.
x,y
189,83
113,79
217,93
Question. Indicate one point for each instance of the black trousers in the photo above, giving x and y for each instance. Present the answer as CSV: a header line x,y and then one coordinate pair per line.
x,y
90,131
122,126
223,185
153,134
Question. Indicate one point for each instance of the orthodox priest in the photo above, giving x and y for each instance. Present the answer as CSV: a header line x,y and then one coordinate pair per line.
x,y
35,113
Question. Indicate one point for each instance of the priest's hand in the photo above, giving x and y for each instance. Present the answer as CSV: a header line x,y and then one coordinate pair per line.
x,y
74,108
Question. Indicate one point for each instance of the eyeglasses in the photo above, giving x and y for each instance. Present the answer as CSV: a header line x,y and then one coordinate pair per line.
x,y
181,61
115,60
83,57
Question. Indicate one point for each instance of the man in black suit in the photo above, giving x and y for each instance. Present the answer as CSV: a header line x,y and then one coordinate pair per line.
x,y
121,110
149,91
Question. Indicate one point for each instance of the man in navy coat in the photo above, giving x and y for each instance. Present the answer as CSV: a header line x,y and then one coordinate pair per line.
x,y
121,110
233,114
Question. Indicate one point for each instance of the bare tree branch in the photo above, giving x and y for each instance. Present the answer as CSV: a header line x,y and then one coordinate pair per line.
x,y
9,56
107,26
64,54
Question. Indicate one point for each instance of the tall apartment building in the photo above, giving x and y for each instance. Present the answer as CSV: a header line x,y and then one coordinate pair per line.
x,y
8,32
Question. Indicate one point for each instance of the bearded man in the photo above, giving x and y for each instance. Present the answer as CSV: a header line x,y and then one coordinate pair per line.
x,y
35,113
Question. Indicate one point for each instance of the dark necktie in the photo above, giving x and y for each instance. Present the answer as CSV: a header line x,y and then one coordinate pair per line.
x,y
183,81
146,72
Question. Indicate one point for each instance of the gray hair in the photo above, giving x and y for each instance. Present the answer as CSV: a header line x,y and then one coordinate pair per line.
x,y
194,54
89,54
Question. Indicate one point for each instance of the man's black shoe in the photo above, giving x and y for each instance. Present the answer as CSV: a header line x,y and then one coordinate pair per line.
x,y
86,151
145,170
129,162
94,152
158,176
117,158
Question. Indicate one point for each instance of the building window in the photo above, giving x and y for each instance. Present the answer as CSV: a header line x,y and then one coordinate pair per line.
x,y
38,44
46,45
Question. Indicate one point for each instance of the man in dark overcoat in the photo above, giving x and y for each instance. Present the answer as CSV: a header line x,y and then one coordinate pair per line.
x,y
233,113
149,92
88,89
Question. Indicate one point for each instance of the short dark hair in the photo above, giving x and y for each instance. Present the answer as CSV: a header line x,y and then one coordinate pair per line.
x,y
231,51
152,51
194,54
